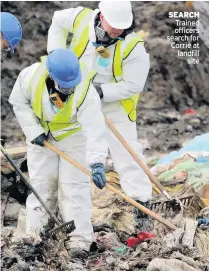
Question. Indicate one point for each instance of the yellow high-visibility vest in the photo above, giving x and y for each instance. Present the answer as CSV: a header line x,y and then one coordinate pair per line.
x,y
62,124
80,42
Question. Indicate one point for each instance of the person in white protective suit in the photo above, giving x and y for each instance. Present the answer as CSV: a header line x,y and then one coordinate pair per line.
x,y
105,40
11,33
75,126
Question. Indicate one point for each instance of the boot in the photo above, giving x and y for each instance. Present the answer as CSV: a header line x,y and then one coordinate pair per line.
x,y
143,221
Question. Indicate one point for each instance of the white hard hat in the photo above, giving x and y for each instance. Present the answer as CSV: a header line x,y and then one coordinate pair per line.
x,y
118,14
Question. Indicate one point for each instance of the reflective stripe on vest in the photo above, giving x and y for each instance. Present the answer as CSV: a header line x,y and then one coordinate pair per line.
x,y
129,104
81,32
62,124
80,42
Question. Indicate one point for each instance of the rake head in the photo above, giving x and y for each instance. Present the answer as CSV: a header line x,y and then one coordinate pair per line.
x,y
174,204
182,199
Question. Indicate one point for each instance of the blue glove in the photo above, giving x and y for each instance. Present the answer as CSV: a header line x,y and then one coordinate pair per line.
x,y
39,140
98,175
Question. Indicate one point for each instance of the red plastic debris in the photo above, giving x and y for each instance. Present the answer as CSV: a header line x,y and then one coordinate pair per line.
x,y
99,261
142,236
190,112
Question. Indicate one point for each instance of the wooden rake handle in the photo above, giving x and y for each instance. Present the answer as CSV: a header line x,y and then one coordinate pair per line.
x,y
111,188
136,158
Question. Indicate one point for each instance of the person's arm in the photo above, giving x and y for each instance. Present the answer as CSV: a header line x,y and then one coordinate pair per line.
x,y
93,127
20,100
135,71
62,25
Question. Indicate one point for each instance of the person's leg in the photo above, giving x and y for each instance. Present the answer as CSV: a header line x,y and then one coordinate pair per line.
x,y
74,192
43,173
134,181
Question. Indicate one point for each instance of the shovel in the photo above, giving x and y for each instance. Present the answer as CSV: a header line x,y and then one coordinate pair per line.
x,y
111,188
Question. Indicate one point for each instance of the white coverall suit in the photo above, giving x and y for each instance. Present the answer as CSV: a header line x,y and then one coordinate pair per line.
x,y
133,180
53,177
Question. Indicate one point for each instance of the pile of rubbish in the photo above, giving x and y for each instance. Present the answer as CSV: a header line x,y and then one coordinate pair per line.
x,y
118,245
173,107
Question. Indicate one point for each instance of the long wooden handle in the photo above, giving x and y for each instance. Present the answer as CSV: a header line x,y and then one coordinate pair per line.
x,y
136,158
111,188
32,189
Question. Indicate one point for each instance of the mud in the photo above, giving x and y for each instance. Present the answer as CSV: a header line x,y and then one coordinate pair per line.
x,y
172,85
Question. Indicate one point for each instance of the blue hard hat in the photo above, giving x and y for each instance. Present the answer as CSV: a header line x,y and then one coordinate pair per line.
x,y
64,68
11,29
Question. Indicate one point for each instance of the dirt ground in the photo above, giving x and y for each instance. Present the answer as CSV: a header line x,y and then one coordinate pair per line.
x,y
172,85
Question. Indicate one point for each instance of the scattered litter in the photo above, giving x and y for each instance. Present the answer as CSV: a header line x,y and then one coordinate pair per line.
x,y
204,221
109,240
190,112
99,261
198,144
202,242
121,250
159,264
142,236
202,159
189,232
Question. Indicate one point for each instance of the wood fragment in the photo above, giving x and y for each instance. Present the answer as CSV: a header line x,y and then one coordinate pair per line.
x,y
15,153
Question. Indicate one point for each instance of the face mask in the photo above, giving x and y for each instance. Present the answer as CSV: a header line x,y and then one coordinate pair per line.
x,y
101,34
65,91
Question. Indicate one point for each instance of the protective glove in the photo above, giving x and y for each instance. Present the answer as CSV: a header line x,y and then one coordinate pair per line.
x,y
39,140
98,175
98,89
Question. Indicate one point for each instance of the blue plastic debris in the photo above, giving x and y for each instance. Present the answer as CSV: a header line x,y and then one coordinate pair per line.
x,y
202,159
204,221
197,144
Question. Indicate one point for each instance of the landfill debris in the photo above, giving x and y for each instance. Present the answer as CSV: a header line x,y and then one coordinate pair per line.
x,y
190,112
50,255
142,236
202,159
109,209
203,193
185,173
117,244
107,239
189,232
121,250
163,132
204,221
170,265
202,241
198,145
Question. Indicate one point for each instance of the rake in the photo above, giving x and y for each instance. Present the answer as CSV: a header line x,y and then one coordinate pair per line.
x,y
111,188
69,226
171,202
